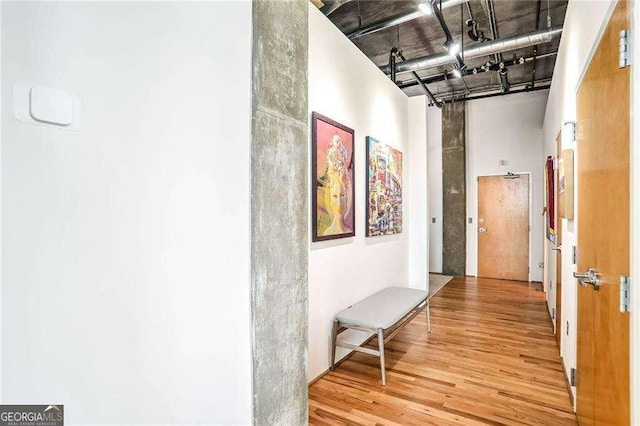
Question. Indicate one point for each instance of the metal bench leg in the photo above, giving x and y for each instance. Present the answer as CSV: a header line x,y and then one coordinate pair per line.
x,y
334,338
428,317
381,349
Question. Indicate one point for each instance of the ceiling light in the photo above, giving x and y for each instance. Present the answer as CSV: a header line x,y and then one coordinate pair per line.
x,y
453,48
425,8
457,73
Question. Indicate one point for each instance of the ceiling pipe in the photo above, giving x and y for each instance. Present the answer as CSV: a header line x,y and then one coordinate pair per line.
x,y
495,94
535,48
491,91
482,49
397,20
493,27
432,99
392,63
449,42
335,6
493,67
504,80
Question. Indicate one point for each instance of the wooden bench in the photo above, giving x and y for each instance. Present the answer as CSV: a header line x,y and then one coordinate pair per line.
x,y
386,311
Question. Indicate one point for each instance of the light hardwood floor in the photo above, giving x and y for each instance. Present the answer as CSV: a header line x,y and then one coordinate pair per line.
x,y
491,358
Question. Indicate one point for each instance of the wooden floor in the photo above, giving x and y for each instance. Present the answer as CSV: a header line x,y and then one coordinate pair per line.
x,y
491,358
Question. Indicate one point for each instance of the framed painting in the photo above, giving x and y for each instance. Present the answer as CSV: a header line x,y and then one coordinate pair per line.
x,y
384,189
333,186
550,199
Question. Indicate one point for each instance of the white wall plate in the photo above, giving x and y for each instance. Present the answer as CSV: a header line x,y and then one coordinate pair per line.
x,y
45,106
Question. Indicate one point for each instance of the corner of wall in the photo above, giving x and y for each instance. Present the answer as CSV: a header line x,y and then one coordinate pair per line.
x,y
1,257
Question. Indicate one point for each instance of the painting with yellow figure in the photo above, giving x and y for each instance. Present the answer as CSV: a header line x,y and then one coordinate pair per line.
x,y
384,189
333,189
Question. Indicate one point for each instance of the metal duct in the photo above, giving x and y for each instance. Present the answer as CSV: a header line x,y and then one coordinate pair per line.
x,y
495,67
483,49
397,20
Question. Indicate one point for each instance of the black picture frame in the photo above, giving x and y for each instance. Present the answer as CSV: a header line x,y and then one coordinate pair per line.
x,y
321,129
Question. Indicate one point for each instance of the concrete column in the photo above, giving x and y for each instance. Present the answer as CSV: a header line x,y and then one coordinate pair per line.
x,y
279,224
454,194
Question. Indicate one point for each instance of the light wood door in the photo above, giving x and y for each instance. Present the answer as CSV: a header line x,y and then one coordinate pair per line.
x,y
558,223
503,227
603,231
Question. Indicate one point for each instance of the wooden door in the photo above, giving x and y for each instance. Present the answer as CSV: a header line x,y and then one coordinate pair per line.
x,y
503,227
558,247
603,231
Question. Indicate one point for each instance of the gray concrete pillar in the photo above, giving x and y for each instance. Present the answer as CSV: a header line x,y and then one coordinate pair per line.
x,y
279,223
454,194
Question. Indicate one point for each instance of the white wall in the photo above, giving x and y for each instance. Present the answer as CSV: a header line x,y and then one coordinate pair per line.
x,y
125,245
434,137
506,128
347,87
584,23
501,128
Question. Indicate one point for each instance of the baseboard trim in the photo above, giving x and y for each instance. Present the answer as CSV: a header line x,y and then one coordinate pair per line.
x,y
549,316
567,382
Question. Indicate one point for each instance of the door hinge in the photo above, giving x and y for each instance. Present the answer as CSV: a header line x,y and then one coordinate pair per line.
x,y
572,377
553,313
567,328
570,132
574,255
625,51
625,288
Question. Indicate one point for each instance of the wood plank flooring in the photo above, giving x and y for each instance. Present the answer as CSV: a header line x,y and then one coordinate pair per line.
x,y
491,358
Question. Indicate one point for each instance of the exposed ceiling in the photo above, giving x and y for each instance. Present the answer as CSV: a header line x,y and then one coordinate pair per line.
x,y
424,36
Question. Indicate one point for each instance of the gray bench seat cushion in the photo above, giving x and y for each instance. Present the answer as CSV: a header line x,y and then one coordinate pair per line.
x,y
383,309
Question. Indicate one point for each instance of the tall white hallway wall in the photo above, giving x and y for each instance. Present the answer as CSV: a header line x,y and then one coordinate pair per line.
x,y
347,87
125,244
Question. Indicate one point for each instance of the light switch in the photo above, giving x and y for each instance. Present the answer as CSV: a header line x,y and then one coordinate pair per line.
x,y
50,105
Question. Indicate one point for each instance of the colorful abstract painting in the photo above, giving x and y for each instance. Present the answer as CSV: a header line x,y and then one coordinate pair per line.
x,y
333,196
384,189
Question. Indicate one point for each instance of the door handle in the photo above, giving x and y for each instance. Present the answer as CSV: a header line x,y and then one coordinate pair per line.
x,y
557,248
588,278
482,230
